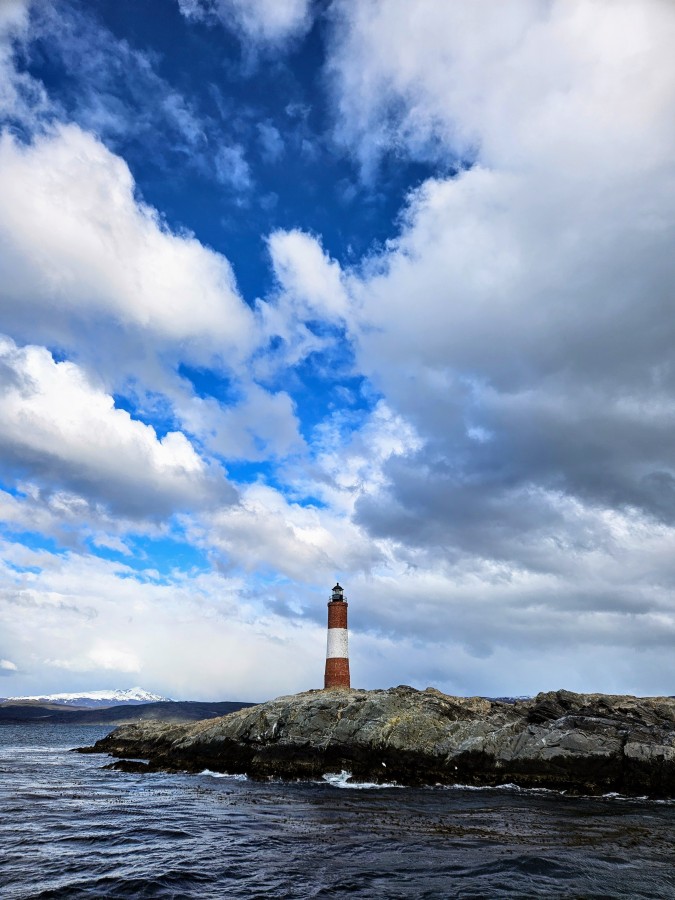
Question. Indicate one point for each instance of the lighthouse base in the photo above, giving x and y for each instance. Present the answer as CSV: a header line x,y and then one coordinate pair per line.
x,y
337,673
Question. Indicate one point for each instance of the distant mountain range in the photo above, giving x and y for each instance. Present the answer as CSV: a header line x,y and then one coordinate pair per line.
x,y
92,699
113,707
128,713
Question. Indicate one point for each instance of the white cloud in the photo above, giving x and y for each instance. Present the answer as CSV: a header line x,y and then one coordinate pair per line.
x,y
13,16
351,461
191,636
22,98
309,279
263,22
103,656
260,425
569,83
70,519
265,532
270,530
271,142
54,421
6,665
82,256
232,168
311,288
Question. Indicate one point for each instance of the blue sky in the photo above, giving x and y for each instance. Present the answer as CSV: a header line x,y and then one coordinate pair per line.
x,y
298,291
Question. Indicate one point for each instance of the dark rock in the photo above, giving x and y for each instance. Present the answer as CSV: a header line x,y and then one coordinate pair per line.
x,y
129,765
582,743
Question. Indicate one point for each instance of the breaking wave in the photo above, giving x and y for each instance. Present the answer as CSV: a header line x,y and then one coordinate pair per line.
x,y
343,779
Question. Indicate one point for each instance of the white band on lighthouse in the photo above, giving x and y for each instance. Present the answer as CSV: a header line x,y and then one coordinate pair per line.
x,y
337,644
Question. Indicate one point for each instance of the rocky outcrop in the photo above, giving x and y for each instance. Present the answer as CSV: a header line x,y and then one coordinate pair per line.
x,y
581,743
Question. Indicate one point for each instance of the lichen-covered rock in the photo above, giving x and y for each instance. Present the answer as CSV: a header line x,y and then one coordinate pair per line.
x,y
583,743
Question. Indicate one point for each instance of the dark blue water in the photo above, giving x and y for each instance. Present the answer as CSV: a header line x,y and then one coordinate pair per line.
x,y
68,828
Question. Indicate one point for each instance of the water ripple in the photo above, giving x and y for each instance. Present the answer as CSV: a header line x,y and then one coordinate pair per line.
x,y
69,829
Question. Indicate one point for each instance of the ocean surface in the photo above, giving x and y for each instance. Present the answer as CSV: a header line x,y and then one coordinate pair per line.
x,y
69,828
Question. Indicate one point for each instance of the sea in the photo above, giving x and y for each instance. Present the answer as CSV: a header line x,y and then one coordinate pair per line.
x,y
70,828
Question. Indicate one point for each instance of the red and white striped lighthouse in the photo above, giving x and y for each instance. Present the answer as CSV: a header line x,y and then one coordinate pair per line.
x,y
337,651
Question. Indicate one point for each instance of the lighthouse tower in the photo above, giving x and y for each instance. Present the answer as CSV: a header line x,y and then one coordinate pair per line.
x,y
337,652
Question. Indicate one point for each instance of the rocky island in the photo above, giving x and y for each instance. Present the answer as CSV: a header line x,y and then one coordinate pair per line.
x,y
579,743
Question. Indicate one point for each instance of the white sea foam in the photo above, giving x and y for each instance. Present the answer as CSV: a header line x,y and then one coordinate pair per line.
x,y
238,777
342,780
517,788
509,786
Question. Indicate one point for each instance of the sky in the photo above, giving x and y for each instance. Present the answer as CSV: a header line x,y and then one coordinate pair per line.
x,y
366,290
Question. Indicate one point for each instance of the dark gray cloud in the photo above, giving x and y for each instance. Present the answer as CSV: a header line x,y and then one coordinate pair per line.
x,y
523,323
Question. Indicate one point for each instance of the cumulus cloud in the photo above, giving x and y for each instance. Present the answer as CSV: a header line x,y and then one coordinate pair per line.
x,y
309,279
265,532
520,318
283,531
68,518
438,78
260,425
262,22
55,423
91,269
351,459
81,255
309,307
556,351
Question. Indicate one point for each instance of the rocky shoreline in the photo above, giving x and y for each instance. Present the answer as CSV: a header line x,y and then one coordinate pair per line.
x,y
579,743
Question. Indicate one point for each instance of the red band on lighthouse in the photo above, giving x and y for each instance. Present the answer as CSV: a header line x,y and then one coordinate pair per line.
x,y
337,650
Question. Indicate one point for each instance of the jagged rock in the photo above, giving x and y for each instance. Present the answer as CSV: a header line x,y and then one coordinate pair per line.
x,y
582,743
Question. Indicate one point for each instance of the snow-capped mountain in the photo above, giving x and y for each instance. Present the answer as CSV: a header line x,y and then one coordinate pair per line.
x,y
93,699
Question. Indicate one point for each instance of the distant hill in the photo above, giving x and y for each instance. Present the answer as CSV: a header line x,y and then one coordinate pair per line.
x,y
163,711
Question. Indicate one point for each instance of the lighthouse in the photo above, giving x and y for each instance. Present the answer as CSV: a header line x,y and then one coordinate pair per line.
x,y
337,651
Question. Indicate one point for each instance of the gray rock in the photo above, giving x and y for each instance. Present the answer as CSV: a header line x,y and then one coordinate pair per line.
x,y
581,743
